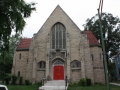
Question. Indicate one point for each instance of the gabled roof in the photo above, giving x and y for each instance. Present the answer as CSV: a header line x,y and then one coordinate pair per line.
x,y
91,38
24,44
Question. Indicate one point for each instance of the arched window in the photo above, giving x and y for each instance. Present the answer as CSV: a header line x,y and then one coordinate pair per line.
x,y
20,56
41,64
58,36
75,64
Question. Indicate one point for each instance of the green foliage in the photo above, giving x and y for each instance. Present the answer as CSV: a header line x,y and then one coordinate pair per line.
x,y
85,82
27,82
7,78
111,31
14,79
88,82
12,15
82,82
20,80
111,68
6,57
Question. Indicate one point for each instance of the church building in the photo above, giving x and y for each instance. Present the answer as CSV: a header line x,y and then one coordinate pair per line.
x,y
58,49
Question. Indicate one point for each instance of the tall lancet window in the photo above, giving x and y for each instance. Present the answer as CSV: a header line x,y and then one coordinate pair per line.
x,y
58,36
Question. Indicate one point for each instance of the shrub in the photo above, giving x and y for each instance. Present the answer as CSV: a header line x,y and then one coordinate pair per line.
x,y
20,80
14,79
85,82
7,79
82,82
27,82
88,82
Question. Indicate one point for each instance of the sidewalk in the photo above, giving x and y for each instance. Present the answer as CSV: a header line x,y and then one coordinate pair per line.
x,y
117,84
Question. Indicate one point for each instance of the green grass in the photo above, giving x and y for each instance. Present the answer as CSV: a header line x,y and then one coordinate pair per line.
x,y
35,87
112,87
22,87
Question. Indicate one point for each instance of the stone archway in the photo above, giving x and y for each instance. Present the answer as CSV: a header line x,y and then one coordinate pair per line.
x,y
58,70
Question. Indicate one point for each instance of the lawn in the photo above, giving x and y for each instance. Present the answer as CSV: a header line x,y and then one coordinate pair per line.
x,y
112,87
35,87
22,87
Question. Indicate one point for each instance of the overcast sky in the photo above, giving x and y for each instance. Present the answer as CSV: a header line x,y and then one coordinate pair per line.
x,y
77,10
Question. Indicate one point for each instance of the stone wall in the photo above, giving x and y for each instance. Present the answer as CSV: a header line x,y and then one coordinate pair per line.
x,y
20,64
98,67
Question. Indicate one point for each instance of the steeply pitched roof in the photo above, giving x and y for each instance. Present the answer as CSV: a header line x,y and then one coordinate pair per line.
x,y
91,38
24,44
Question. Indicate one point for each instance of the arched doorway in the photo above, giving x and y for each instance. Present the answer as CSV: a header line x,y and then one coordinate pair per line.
x,y
58,70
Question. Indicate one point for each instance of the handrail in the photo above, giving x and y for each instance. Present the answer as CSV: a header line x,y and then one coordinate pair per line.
x,y
44,80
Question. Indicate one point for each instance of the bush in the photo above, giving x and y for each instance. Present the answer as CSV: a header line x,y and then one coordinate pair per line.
x,y
7,79
88,82
82,82
20,80
14,79
27,82
85,82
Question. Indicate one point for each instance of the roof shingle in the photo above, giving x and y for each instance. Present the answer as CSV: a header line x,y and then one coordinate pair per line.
x,y
91,38
24,43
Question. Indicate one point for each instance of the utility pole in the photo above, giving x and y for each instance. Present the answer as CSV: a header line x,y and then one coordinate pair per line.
x,y
103,45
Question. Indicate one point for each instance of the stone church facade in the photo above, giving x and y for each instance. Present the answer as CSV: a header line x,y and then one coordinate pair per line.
x,y
58,49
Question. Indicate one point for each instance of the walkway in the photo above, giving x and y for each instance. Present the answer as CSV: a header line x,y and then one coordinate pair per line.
x,y
117,84
54,85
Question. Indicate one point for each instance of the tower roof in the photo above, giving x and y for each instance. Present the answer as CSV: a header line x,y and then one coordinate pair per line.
x,y
91,38
24,44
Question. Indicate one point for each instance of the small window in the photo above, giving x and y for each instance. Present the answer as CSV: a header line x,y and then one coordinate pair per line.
x,y
20,56
75,64
92,57
18,73
41,64
27,60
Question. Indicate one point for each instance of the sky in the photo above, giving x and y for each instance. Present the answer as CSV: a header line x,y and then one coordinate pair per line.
x,y
78,10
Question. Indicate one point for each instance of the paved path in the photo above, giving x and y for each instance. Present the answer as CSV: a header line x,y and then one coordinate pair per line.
x,y
54,85
117,84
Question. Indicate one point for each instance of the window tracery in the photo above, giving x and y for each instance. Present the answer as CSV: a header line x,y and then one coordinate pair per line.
x,y
58,36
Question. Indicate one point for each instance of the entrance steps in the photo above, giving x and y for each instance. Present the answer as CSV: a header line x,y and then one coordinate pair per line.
x,y
54,85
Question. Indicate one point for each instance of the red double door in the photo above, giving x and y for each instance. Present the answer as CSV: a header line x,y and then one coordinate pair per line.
x,y
58,72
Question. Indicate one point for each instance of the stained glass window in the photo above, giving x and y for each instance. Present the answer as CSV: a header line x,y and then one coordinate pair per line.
x,y
58,36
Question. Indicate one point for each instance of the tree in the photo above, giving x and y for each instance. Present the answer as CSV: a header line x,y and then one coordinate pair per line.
x,y
111,69
6,57
12,15
111,31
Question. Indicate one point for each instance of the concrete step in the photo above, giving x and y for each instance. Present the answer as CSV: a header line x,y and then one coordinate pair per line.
x,y
54,85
